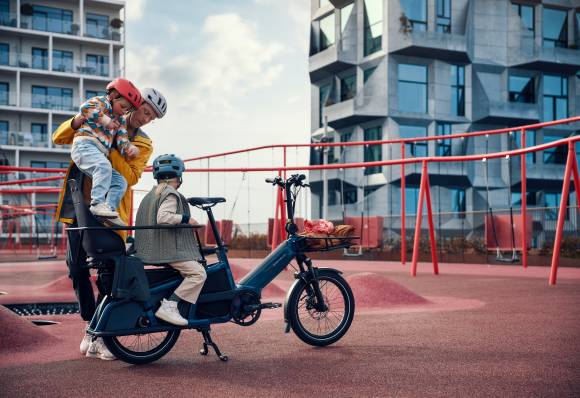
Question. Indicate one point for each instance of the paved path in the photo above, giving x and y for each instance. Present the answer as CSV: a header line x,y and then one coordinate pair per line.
x,y
496,331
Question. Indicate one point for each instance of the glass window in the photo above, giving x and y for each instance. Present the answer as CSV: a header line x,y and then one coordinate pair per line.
x,y
412,88
4,132
521,89
416,12
444,145
4,93
414,149
39,133
555,28
52,98
367,73
457,90
4,54
530,199
327,33
350,196
373,153
555,97
526,14
552,202
373,26
345,14
97,26
98,64
555,155
51,19
347,87
444,16
39,58
458,202
94,93
62,61
411,200
323,94
530,141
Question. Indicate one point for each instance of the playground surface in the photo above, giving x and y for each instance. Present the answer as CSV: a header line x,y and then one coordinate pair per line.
x,y
473,330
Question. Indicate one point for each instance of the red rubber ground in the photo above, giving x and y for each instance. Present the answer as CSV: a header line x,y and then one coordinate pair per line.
x,y
493,331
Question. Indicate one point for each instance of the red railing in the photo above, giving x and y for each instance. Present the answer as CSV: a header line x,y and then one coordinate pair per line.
x,y
571,170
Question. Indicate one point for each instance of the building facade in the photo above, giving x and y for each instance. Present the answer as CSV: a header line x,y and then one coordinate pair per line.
x,y
409,68
53,56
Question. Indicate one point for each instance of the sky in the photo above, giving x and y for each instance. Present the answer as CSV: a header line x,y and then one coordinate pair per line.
x,y
235,75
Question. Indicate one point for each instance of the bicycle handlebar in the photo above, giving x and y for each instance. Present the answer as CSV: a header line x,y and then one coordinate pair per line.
x,y
295,179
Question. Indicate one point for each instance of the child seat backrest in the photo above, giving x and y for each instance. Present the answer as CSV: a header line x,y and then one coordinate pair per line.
x,y
98,244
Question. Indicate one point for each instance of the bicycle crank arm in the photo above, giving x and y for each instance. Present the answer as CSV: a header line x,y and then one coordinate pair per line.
x,y
262,306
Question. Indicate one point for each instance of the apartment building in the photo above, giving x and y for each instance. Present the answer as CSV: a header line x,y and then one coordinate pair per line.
x,y
53,56
410,68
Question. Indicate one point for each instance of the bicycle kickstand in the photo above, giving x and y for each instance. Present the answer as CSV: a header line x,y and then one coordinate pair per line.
x,y
208,342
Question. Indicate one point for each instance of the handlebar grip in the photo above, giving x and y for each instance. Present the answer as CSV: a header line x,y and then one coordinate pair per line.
x,y
270,180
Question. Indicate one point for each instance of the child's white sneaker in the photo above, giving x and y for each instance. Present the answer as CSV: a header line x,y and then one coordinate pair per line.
x,y
114,222
97,349
169,313
103,210
85,343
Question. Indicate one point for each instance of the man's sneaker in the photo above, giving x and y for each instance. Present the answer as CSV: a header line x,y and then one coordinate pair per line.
x,y
97,349
170,314
103,210
85,343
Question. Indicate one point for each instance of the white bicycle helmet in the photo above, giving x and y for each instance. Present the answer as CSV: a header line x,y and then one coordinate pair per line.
x,y
156,100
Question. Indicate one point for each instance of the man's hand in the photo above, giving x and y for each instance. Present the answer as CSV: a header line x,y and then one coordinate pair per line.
x,y
132,151
192,221
78,121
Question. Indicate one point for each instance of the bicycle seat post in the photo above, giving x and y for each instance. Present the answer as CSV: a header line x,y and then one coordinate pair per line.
x,y
214,228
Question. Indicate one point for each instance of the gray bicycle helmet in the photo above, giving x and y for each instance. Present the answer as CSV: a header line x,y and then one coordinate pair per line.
x,y
156,100
167,166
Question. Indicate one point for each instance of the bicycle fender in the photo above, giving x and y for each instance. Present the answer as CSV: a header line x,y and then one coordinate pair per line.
x,y
306,277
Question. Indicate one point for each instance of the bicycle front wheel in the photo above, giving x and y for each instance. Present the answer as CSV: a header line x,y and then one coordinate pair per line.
x,y
321,328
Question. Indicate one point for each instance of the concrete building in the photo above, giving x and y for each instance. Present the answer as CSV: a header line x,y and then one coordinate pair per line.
x,y
53,55
406,68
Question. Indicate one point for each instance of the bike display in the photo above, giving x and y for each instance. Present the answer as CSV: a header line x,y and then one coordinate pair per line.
x,y
319,306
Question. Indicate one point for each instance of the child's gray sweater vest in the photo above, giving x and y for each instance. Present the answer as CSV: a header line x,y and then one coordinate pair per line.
x,y
159,246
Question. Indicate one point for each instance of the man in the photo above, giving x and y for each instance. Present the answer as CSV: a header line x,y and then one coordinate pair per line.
x,y
154,106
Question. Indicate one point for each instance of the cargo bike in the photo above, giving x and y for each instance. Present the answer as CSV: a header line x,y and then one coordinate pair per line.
x,y
318,308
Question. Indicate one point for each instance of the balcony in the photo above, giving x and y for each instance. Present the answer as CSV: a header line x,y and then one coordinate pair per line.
x,y
336,58
24,138
47,24
104,34
508,113
365,106
20,60
8,98
52,102
556,60
8,19
444,46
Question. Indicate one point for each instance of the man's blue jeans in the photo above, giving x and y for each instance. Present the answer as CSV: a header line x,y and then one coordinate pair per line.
x,y
108,185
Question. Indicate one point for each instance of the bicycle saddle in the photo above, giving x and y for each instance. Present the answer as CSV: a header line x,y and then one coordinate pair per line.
x,y
205,201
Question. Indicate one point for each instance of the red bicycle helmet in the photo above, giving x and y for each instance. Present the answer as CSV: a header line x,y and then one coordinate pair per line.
x,y
127,90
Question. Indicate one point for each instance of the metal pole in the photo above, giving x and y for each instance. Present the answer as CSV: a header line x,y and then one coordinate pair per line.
x,y
324,172
524,236
430,220
418,221
562,213
403,226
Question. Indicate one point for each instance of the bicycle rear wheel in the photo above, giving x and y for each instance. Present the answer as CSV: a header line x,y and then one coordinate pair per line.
x,y
142,348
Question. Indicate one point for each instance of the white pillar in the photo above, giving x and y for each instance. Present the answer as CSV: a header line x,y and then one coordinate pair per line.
x,y
50,44
81,90
18,101
111,74
82,17
324,176
49,129
18,14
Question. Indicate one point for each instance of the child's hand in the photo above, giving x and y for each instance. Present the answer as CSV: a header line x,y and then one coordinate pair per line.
x,y
78,121
132,151
114,125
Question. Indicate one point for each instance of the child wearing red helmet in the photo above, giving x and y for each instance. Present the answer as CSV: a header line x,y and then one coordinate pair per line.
x,y
104,127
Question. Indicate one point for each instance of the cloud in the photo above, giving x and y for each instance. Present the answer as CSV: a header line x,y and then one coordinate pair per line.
x,y
134,9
